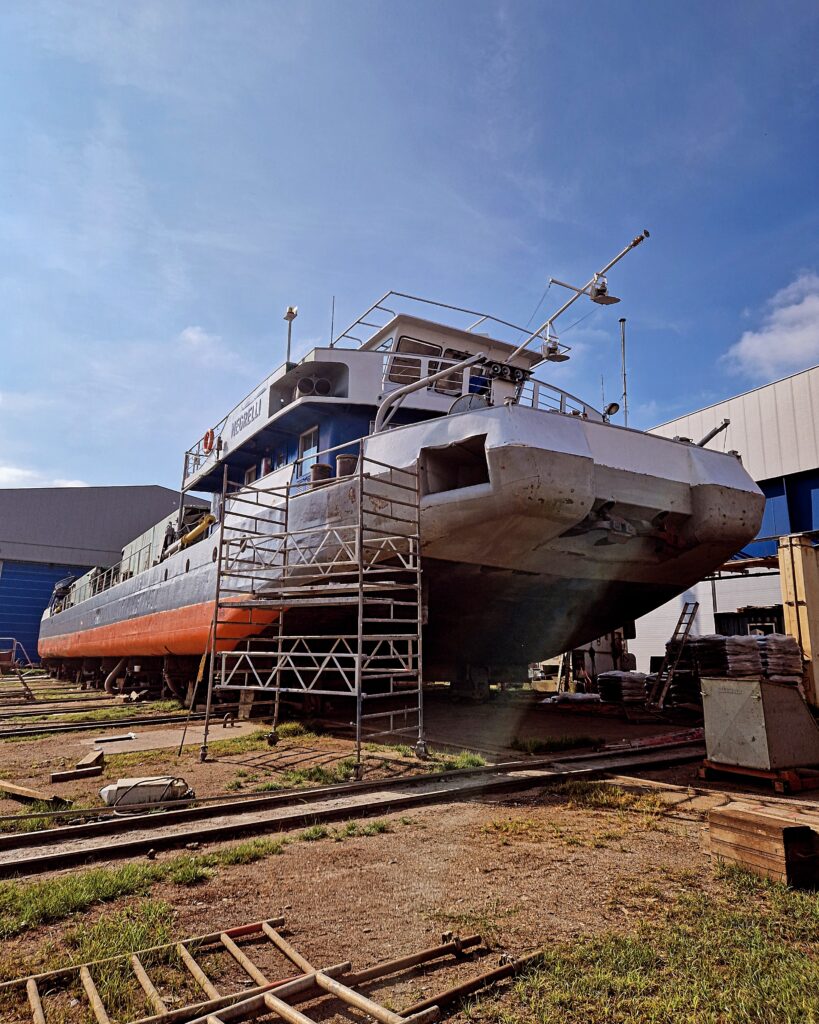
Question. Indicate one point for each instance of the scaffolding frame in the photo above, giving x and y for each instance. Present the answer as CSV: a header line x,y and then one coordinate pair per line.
x,y
332,610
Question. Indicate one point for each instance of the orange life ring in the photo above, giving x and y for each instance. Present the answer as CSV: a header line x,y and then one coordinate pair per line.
x,y
207,441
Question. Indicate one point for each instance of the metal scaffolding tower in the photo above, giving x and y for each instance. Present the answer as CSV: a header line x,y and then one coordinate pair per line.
x,y
318,595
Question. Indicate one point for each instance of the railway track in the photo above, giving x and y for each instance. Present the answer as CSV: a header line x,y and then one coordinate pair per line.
x,y
64,846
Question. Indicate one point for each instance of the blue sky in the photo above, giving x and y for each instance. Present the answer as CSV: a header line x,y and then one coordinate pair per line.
x,y
175,173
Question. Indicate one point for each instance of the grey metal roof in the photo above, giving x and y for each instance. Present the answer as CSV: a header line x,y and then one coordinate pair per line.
x,y
82,526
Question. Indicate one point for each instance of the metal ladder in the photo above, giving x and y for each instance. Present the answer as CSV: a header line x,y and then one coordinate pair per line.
x,y
669,666
329,610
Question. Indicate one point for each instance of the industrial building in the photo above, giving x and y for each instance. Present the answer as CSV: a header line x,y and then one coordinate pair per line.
x,y
49,533
775,429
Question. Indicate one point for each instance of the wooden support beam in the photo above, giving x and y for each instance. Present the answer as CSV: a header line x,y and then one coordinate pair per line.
x,y
799,581
30,796
77,773
91,759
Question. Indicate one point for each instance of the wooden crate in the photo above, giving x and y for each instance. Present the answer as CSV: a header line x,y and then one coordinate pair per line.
x,y
771,841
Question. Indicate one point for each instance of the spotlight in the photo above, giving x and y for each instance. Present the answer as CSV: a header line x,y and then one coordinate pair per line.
x,y
599,292
611,409
550,351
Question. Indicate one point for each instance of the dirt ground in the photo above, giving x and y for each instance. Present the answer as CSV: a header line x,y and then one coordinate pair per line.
x,y
488,728
521,872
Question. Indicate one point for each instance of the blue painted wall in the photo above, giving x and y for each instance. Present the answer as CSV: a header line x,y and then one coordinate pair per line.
x,y
25,590
791,506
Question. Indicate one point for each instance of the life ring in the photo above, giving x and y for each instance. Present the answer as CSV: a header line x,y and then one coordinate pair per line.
x,y
207,441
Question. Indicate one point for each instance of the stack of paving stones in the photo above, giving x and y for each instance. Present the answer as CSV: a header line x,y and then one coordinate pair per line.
x,y
728,657
622,687
780,657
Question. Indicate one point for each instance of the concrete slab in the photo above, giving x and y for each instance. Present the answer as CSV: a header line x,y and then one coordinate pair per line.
x,y
159,739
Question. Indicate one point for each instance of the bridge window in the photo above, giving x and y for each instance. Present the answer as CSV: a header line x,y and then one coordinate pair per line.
x,y
308,449
407,370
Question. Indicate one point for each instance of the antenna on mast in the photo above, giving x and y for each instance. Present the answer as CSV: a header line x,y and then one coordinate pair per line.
x,y
597,289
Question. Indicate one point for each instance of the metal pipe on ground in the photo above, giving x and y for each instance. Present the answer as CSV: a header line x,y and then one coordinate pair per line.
x,y
112,675
467,988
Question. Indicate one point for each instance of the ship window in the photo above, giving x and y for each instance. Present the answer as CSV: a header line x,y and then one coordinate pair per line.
x,y
407,369
250,474
452,384
308,449
267,465
281,459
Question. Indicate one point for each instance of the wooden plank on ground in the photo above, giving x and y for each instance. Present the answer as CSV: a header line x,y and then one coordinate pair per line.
x,y
77,773
91,759
29,796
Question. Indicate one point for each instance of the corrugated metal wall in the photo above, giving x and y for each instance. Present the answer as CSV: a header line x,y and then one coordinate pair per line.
x,y
775,428
25,590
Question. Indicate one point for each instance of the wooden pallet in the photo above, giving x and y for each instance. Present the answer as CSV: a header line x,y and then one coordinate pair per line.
x,y
783,780
775,842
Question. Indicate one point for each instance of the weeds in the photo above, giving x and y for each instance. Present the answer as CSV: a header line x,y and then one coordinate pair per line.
x,y
38,823
536,745
317,775
314,833
604,796
466,759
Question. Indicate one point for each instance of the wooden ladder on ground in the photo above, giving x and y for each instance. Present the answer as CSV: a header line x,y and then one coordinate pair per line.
x,y
677,643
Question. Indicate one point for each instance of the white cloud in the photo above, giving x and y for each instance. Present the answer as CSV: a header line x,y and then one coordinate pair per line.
x,y
18,476
788,337
197,343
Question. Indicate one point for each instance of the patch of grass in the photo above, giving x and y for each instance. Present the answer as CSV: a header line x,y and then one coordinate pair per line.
x,y
605,796
256,740
466,759
315,775
485,921
375,828
518,828
547,744
189,870
24,906
394,748
314,833
116,763
290,730
109,714
747,955
138,926
250,851
38,823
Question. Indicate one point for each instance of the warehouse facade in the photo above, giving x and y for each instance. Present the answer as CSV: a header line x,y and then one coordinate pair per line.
x,y
775,429
49,533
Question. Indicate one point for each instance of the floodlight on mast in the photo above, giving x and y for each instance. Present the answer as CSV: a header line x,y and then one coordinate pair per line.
x,y
597,289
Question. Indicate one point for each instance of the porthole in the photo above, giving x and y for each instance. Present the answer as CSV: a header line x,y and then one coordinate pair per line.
x,y
166,576
187,565
215,554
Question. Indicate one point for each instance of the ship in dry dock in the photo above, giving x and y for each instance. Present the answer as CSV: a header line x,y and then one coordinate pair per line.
x,y
541,524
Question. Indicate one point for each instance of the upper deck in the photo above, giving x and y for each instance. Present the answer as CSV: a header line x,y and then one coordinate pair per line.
x,y
340,380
